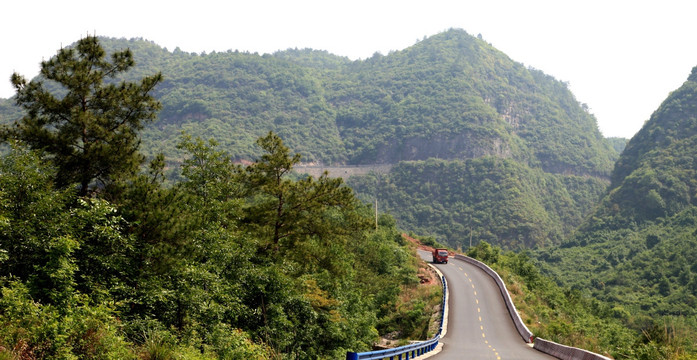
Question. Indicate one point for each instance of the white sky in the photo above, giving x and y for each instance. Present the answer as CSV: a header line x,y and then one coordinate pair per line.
x,y
622,58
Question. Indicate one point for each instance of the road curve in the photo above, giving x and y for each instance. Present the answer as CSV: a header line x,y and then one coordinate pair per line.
x,y
479,325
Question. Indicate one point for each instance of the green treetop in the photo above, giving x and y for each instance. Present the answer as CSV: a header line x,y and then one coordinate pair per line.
x,y
286,212
90,127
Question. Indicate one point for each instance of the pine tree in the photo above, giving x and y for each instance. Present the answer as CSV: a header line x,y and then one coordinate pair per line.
x,y
286,212
88,128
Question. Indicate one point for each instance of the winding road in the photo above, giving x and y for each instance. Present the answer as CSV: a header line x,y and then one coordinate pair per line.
x,y
479,326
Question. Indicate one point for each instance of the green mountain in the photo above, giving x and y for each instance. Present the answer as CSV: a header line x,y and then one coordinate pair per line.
x,y
637,251
454,96
521,163
618,144
451,97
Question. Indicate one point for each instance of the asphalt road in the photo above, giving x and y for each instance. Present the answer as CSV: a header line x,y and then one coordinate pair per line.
x,y
479,326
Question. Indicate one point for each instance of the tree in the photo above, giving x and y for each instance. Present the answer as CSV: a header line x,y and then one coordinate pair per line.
x,y
88,128
286,212
211,177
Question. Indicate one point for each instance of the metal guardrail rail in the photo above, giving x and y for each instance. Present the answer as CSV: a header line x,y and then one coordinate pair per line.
x,y
566,352
408,351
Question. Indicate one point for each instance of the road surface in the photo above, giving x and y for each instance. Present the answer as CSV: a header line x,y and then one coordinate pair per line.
x,y
479,326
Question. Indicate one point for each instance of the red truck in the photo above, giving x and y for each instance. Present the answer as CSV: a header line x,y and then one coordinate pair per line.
x,y
440,256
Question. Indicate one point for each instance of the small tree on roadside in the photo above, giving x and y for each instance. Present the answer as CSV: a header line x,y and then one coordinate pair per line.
x,y
88,128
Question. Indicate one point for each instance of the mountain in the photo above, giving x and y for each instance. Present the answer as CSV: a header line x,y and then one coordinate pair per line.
x,y
451,97
655,177
8,111
521,162
637,250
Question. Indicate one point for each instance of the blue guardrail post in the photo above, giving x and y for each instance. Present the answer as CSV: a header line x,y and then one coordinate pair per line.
x,y
351,356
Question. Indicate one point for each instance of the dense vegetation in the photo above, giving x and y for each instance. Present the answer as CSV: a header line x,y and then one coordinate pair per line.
x,y
228,262
522,162
618,144
491,199
637,250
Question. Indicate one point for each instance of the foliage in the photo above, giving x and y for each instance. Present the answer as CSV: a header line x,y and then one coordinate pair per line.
x,y
184,282
225,261
618,144
487,199
287,211
451,97
39,331
90,129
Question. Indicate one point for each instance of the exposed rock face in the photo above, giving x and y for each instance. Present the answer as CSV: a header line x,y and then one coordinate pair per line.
x,y
342,171
455,146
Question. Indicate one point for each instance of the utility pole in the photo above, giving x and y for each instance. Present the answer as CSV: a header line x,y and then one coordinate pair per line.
x,y
470,236
469,222
376,214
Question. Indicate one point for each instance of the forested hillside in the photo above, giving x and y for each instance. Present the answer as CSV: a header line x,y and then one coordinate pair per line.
x,y
101,259
454,96
637,251
491,199
451,96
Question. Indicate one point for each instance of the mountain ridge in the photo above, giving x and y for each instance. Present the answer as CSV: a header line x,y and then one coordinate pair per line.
x,y
450,96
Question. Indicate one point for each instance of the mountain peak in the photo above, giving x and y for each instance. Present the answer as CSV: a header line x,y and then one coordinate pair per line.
x,y
693,75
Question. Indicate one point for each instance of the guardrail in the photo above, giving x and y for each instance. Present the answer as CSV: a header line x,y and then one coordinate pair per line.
x,y
566,352
408,351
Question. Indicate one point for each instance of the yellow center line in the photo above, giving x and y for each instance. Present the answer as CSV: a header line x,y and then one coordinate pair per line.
x,y
477,300
480,319
479,310
475,293
472,286
462,270
481,327
483,335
